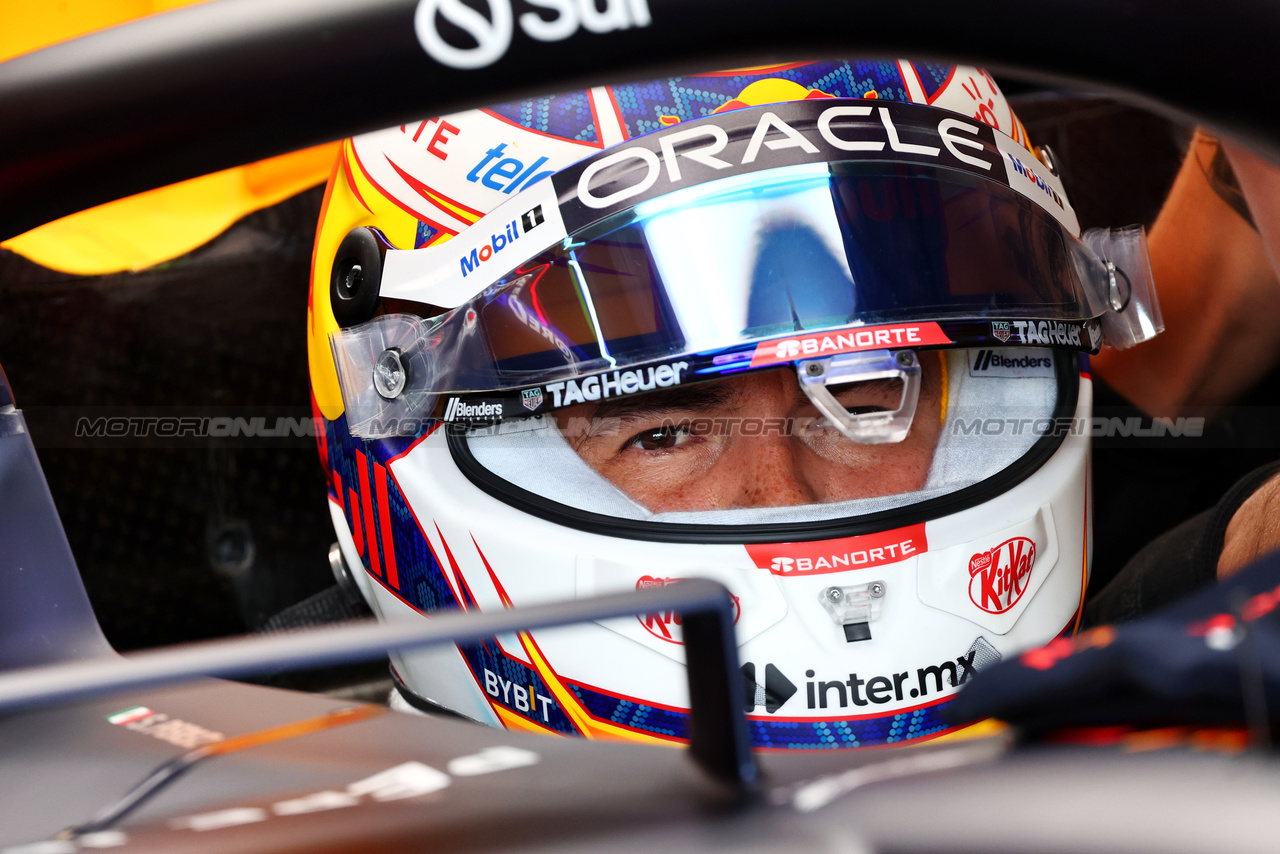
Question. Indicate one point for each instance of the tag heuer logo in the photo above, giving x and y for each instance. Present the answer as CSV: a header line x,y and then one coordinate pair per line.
x,y
1000,329
531,398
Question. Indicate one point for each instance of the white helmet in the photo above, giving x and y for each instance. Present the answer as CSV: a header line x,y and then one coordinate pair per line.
x,y
813,331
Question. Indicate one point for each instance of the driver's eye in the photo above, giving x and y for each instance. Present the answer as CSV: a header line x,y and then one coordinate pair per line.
x,y
661,438
866,397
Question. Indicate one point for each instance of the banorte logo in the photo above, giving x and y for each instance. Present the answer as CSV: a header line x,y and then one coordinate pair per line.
x,y
998,577
849,341
666,625
492,32
840,555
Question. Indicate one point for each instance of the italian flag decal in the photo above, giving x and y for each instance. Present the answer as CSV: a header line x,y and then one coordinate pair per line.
x,y
128,716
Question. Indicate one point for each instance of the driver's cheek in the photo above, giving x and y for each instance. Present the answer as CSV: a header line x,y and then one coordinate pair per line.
x,y
742,472
841,470
787,472
869,470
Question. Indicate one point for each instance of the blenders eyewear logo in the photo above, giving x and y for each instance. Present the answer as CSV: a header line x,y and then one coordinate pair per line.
x,y
458,409
528,221
1011,363
492,32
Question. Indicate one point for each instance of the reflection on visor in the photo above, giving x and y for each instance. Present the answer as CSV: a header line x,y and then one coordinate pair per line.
x,y
769,254
766,261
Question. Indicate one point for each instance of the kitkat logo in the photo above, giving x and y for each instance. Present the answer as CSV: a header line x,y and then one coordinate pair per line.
x,y
998,577
666,625
849,341
840,555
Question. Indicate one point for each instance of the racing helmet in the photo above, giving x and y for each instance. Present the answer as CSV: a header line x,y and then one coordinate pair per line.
x,y
816,331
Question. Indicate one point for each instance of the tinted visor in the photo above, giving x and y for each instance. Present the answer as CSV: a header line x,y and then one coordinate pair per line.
x,y
768,254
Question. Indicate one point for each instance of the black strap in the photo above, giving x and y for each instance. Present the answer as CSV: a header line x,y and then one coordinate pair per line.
x,y
330,605
1177,562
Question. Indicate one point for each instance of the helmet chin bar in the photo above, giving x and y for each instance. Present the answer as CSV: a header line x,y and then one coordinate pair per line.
x,y
870,428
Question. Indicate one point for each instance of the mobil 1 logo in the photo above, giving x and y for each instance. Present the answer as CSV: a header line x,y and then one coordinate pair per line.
x,y
506,236
740,141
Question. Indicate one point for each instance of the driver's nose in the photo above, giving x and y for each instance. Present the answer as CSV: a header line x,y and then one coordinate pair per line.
x,y
771,474
767,466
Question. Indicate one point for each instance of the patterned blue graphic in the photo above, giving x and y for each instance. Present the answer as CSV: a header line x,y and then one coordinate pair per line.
x,y
932,77
516,687
567,116
423,580
784,734
644,105
615,710
426,233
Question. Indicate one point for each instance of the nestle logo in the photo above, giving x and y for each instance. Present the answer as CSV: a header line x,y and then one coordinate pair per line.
x,y
998,577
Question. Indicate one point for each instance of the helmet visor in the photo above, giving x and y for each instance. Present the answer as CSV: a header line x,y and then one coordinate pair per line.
x,y
751,258
739,273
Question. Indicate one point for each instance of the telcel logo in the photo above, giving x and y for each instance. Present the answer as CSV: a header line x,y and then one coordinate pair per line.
x,y
492,33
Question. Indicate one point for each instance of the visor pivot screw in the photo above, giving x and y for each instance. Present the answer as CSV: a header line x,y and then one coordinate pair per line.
x,y
356,278
876,589
905,358
1046,156
834,594
1114,297
389,374
813,369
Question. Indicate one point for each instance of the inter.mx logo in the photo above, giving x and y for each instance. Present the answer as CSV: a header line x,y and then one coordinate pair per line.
x,y
893,687
773,694
777,689
477,39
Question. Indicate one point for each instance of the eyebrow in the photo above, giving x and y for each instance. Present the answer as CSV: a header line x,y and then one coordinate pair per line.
x,y
702,397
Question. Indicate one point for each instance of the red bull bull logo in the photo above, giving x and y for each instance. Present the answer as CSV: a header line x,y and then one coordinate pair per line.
x,y
772,90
